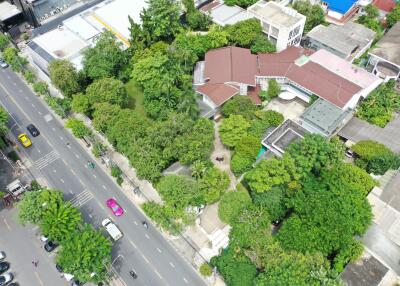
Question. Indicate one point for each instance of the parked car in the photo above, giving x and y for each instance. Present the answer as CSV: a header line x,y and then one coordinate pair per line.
x,y
13,284
24,139
33,130
2,255
349,153
3,64
4,266
50,246
114,206
5,278
44,238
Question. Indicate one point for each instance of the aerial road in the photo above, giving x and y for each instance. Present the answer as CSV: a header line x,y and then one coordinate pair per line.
x,y
64,166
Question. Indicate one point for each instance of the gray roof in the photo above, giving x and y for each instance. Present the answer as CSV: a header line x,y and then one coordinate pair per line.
x,y
344,39
282,136
324,116
228,15
388,48
40,51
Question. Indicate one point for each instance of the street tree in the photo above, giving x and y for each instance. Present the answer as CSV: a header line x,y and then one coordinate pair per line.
x,y
106,59
3,121
231,204
86,254
33,204
78,128
104,116
80,103
60,221
4,41
64,76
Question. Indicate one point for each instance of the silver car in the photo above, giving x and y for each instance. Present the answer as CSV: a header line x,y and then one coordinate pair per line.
x,y
6,278
3,64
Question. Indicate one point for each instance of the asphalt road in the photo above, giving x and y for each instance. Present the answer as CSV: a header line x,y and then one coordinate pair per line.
x,y
22,246
65,168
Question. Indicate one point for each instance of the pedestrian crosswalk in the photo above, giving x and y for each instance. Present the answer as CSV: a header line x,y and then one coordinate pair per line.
x,y
46,160
81,198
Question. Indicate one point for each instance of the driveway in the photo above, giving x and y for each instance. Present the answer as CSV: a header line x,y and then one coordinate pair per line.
x,y
357,130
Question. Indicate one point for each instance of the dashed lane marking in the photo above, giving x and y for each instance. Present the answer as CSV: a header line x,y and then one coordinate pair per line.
x,y
38,278
184,279
94,176
159,250
135,222
62,181
54,171
133,244
172,265
104,187
158,274
148,237
6,223
145,259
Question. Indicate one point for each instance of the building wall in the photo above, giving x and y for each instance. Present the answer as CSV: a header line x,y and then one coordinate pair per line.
x,y
208,101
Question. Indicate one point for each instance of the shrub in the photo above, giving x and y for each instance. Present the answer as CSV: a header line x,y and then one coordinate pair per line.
x,y
78,128
98,149
231,204
116,171
13,156
120,180
4,41
41,88
60,106
273,88
29,76
205,270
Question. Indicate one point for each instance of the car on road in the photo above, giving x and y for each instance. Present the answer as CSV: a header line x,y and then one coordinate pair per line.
x,y
33,130
3,64
13,284
115,207
50,246
5,278
24,139
349,153
2,255
4,266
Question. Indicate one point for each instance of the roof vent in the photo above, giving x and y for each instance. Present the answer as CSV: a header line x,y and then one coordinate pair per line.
x,y
302,60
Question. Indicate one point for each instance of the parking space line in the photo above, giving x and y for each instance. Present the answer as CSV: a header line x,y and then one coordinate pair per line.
x,y
135,222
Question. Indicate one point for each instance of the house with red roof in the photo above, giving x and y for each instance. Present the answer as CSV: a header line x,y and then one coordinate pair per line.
x,y
384,6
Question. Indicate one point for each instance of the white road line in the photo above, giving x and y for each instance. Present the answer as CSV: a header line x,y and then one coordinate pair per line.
x,y
80,180
104,187
33,105
94,176
81,198
133,244
38,278
72,171
6,223
62,138
65,162
90,215
184,279
46,160
76,155
172,265
158,274
135,222
145,259
62,181
53,129
69,146
54,171
39,113
148,237
100,205
39,151
71,191
159,250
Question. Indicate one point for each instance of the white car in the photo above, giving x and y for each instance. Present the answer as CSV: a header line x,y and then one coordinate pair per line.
x,y
3,64
2,255
6,278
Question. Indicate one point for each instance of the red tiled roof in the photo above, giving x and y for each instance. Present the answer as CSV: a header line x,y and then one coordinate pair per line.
x,y
385,5
218,92
230,64
310,75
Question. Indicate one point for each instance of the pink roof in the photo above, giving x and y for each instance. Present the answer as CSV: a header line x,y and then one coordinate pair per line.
x,y
230,64
343,68
310,75
219,93
385,5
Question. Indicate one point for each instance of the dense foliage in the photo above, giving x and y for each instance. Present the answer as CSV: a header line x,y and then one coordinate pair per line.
x,y
314,13
375,157
78,128
393,17
17,63
231,204
64,76
379,106
3,121
4,42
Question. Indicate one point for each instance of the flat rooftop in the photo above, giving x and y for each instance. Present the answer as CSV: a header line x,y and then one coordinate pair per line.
x,y
223,14
325,116
387,48
285,134
276,14
346,39
8,11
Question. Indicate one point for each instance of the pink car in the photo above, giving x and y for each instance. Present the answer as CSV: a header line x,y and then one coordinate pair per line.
x,y
114,206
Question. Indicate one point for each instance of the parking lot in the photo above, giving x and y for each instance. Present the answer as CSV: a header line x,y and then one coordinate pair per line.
x,y
23,246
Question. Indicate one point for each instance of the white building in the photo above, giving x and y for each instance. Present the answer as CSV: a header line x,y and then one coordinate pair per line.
x,y
283,25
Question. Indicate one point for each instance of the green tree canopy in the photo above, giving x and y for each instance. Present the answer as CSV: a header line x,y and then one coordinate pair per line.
x,y
80,103
245,154
262,45
3,121
4,41
393,17
231,204
105,59
272,201
314,13
64,76
84,253
273,89
108,90
79,129
213,184
60,221
239,105
232,129
104,116
244,33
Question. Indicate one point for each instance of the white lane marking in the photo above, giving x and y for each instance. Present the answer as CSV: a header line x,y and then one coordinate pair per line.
x,y
54,171
100,205
81,198
184,279
90,215
159,250
62,138
47,159
65,162
76,155
62,181
6,223
148,237
53,129
80,180
38,278
33,105
39,151
94,176
133,244
72,171
158,274
172,265
135,222
71,191
145,259
39,113
69,146
104,187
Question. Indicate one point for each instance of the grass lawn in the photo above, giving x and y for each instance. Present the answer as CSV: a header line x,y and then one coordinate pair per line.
x,y
135,97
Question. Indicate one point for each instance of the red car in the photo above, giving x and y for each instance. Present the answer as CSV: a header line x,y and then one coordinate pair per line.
x,y
114,206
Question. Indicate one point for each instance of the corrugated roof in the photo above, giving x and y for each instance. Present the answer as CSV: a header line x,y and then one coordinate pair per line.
x,y
218,92
385,5
341,6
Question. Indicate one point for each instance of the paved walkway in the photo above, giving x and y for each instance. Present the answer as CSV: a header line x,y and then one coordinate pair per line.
x,y
221,151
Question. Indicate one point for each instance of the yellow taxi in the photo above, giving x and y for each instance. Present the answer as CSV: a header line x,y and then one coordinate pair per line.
x,y
24,139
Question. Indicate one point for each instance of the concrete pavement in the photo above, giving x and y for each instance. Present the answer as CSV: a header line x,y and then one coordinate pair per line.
x,y
65,167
